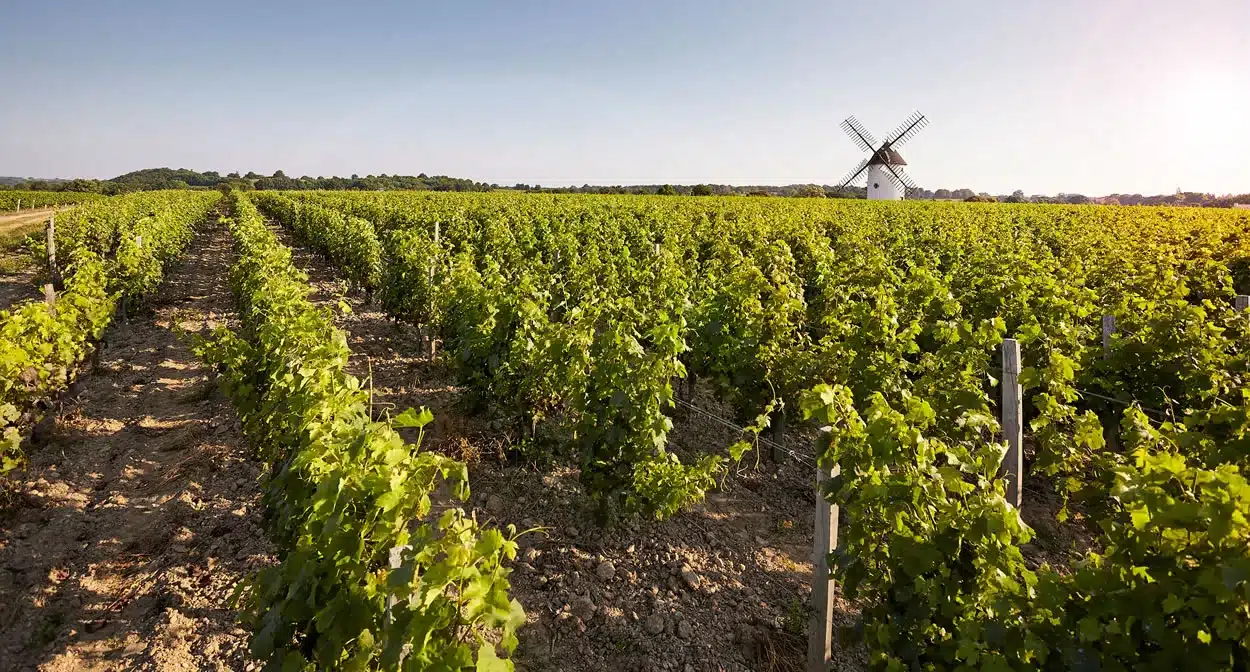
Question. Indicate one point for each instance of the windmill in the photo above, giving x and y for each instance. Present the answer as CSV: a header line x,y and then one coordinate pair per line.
x,y
884,168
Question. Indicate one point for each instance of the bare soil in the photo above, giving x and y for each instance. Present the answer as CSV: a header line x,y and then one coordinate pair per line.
x,y
13,221
723,586
125,536
17,279
17,269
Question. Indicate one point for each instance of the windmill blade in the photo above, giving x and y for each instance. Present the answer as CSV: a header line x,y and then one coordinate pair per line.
x,y
855,173
906,130
859,134
899,178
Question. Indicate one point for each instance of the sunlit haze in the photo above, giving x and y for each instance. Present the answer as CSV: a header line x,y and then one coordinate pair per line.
x,y
1090,97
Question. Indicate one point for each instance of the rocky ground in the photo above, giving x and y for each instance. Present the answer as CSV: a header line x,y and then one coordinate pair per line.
x,y
723,586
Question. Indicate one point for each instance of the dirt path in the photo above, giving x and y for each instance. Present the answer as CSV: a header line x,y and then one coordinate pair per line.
x,y
722,587
17,279
17,270
12,221
141,511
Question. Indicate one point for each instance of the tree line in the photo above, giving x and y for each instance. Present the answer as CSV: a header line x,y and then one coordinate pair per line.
x,y
168,178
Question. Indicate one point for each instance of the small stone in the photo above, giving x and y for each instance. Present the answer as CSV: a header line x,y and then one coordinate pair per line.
x,y
571,531
654,624
688,668
683,629
629,549
606,570
584,609
494,503
692,580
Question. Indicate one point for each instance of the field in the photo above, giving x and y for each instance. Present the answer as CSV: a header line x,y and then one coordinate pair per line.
x,y
438,430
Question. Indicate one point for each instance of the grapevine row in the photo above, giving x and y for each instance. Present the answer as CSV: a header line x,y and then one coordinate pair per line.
x,y
42,343
591,364
11,199
374,573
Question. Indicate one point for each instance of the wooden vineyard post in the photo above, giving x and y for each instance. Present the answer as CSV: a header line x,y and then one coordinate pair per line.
x,y
1108,419
820,625
54,274
778,427
1013,421
19,205
1241,302
396,560
429,335
1108,328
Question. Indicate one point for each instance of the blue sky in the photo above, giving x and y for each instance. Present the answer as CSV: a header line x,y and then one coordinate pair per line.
x,y
1045,96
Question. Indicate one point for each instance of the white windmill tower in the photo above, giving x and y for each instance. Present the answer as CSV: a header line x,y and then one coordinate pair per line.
x,y
884,167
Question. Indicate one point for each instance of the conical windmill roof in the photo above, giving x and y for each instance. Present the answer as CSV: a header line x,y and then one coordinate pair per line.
x,y
886,156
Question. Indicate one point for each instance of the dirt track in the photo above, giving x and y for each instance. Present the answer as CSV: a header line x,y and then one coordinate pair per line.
x,y
139,515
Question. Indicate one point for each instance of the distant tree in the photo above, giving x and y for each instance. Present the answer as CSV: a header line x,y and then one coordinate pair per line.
x,y
701,190
810,191
1016,196
943,194
1076,199
232,176
252,175
666,190
846,192
88,186
234,183
278,174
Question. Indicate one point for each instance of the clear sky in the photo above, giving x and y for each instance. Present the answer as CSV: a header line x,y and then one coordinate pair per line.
x,y
1089,96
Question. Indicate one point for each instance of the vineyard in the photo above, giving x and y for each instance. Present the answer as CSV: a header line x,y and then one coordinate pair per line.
x,y
631,383
25,200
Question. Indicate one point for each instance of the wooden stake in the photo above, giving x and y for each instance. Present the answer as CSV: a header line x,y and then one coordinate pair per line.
x,y
1108,328
778,427
395,561
1241,302
19,205
1013,421
54,272
432,340
820,625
